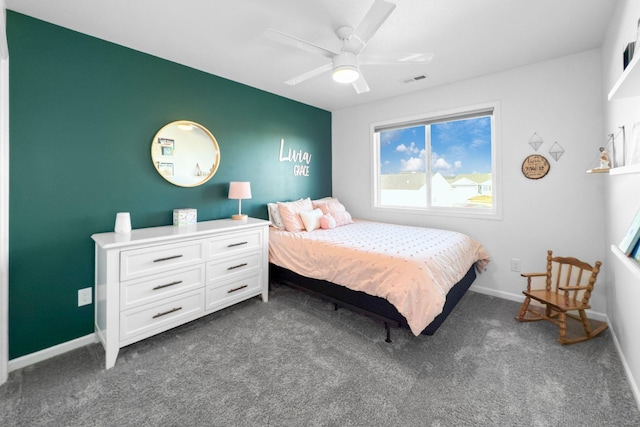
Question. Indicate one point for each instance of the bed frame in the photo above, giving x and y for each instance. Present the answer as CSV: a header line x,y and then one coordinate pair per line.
x,y
369,305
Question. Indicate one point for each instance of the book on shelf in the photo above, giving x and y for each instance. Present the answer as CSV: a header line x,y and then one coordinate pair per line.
x,y
635,253
630,240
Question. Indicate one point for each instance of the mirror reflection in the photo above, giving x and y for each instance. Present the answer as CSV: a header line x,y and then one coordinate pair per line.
x,y
185,153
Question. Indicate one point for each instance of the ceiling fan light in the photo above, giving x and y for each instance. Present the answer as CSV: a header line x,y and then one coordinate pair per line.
x,y
345,68
346,74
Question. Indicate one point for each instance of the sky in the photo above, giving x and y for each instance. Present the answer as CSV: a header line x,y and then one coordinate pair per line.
x,y
461,146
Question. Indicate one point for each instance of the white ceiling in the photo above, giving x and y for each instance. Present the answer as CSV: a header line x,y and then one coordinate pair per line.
x,y
227,37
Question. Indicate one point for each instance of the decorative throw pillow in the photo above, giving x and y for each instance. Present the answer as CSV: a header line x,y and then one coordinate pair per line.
x,y
327,222
329,206
332,206
323,200
342,218
290,213
311,219
274,215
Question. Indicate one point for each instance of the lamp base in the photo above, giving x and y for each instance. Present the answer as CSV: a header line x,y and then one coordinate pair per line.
x,y
239,217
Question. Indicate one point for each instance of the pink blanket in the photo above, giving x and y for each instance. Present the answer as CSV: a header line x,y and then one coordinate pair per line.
x,y
411,267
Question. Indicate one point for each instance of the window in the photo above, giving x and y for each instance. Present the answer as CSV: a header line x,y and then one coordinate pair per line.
x,y
445,163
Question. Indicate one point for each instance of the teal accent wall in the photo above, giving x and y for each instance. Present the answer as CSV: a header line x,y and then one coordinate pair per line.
x,y
83,113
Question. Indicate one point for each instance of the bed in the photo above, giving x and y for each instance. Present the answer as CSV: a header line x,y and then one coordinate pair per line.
x,y
402,275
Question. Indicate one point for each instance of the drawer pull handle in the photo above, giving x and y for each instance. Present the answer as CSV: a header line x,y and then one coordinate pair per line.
x,y
167,258
237,244
173,310
236,289
177,282
237,266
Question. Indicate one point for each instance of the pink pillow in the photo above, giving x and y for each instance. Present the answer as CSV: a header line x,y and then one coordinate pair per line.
x,y
342,218
324,199
327,221
332,206
328,206
290,213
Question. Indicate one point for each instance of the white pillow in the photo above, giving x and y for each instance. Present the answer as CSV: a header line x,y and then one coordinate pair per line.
x,y
311,219
274,215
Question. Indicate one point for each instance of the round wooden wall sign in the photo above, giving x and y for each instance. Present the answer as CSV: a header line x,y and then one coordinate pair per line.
x,y
535,166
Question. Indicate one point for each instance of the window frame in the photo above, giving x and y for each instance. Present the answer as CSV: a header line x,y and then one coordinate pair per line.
x,y
495,213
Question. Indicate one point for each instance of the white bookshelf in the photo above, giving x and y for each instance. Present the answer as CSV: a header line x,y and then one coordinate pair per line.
x,y
628,262
625,169
628,84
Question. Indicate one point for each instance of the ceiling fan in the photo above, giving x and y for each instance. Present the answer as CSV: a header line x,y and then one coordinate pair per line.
x,y
345,63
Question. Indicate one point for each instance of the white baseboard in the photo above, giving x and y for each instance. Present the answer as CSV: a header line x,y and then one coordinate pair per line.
x,y
627,370
595,315
499,294
47,353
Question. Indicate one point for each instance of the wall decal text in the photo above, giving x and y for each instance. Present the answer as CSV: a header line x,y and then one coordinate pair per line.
x,y
302,160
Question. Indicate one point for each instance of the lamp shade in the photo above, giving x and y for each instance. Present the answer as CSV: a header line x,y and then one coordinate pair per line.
x,y
239,190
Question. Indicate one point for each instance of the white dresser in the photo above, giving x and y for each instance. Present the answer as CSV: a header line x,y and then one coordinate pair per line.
x,y
157,278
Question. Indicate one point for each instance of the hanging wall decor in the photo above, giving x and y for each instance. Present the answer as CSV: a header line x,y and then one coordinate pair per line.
x,y
602,163
556,151
608,155
535,166
535,141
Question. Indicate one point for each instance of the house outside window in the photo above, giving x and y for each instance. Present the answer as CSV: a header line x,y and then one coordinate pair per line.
x,y
444,163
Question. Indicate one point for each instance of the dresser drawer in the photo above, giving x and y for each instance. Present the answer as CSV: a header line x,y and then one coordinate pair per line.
x,y
165,314
232,291
156,259
234,243
227,268
164,285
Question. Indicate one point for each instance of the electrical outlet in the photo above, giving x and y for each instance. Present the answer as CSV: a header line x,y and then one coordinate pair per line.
x,y
516,264
84,296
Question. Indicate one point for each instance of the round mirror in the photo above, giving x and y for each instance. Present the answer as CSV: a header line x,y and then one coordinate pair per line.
x,y
185,153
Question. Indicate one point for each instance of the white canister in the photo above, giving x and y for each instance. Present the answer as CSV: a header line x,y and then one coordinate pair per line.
x,y
123,222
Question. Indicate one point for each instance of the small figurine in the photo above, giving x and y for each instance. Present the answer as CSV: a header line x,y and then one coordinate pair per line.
x,y
604,158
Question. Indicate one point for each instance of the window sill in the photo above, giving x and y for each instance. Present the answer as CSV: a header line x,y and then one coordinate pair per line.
x,y
457,213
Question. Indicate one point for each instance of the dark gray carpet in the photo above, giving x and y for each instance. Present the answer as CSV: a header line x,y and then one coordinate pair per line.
x,y
294,361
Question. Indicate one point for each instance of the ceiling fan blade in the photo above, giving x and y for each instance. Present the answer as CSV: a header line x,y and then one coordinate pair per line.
x,y
361,85
306,76
394,58
375,17
290,40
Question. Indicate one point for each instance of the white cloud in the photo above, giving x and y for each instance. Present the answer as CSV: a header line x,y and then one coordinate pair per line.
x,y
388,136
414,164
411,149
442,164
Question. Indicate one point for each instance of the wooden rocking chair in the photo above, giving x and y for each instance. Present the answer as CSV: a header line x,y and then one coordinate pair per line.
x,y
568,287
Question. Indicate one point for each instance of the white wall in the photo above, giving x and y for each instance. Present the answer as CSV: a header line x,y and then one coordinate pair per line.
x,y
561,100
623,195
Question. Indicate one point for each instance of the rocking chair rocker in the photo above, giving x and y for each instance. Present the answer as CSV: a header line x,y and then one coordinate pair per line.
x,y
568,286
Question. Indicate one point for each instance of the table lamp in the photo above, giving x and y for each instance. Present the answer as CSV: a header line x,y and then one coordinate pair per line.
x,y
239,190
